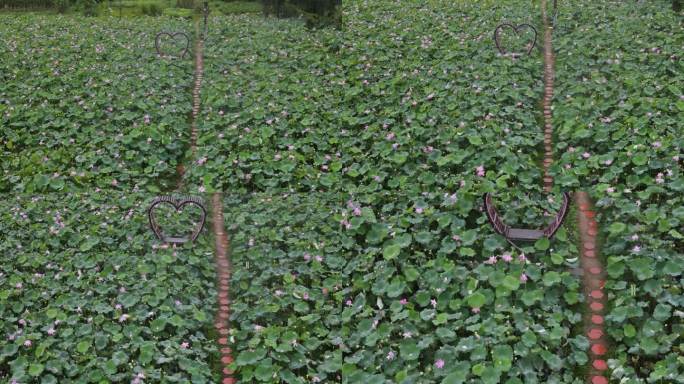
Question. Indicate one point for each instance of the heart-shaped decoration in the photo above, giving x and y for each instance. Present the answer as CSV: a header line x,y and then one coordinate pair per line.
x,y
178,204
516,30
176,37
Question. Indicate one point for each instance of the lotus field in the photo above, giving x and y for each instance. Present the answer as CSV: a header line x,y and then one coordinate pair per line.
x,y
347,168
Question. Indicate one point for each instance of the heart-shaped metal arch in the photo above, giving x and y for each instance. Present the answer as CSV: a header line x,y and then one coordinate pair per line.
x,y
525,234
178,204
172,35
516,29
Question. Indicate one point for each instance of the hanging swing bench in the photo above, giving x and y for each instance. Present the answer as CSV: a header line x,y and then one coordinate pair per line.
x,y
521,234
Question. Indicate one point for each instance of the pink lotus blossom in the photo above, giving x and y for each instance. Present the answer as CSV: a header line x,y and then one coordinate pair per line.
x,y
608,162
610,190
51,331
439,363
28,343
480,170
307,257
507,257
635,237
433,302
123,318
319,258
201,189
523,278
407,335
657,144
419,210
476,310
491,260
586,155
184,345
390,355
348,303
522,257
636,249
403,301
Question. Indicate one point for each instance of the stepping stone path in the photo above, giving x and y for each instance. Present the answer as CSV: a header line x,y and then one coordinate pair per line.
x,y
593,273
221,255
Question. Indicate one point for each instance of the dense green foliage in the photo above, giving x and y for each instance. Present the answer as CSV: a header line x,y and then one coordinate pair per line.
x,y
317,13
621,100
353,163
88,296
88,107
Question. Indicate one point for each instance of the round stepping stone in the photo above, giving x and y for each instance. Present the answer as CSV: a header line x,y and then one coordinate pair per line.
x,y
224,315
599,380
592,232
589,253
226,359
228,380
595,334
223,341
596,306
227,371
598,349
224,301
597,319
600,364
590,245
595,270
596,294
223,294
590,214
225,308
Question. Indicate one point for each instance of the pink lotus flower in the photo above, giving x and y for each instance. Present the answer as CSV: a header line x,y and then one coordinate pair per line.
x,y
507,257
419,210
439,363
480,170
28,343
390,355
476,310
522,257
523,278
433,302
184,345
491,260
586,155
403,301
